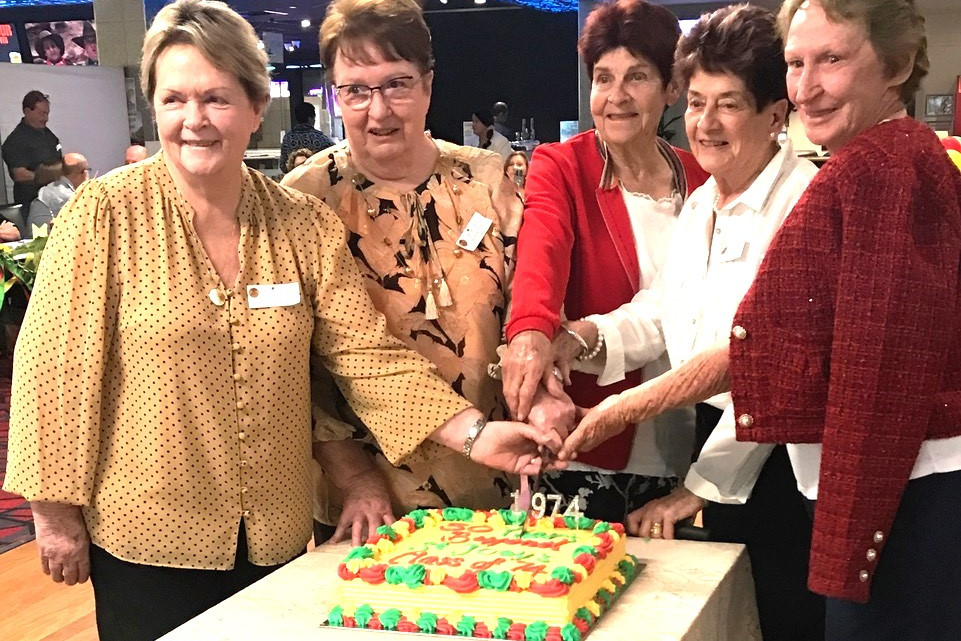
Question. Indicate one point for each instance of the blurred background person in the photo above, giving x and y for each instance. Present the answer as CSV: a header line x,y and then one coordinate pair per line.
x,y
134,153
501,114
52,197
297,158
303,135
598,216
175,317
30,143
847,345
515,168
88,42
482,123
406,200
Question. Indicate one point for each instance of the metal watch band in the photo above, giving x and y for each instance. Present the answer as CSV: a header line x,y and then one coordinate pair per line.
x,y
472,433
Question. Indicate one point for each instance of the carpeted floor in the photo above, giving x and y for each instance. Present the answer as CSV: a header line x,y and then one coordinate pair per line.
x,y
16,521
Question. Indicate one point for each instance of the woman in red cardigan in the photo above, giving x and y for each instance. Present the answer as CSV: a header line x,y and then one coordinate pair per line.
x,y
599,211
847,347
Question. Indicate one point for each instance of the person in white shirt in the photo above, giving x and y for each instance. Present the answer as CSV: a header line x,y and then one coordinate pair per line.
x,y
733,64
489,138
52,197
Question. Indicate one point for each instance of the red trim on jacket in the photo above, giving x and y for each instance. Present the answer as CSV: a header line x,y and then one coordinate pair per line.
x,y
576,249
854,337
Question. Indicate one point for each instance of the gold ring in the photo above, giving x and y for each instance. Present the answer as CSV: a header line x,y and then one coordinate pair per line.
x,y
655,530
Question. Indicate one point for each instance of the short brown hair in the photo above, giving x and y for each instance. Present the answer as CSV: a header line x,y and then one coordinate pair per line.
x,y
894,28
647,30
34,98
742,40
395,27
219,33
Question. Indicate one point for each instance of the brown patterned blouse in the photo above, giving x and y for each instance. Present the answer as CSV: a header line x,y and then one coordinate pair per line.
x,y
443,300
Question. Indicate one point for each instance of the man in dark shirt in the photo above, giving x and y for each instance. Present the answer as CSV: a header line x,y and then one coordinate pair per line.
x,y
303,135
28,145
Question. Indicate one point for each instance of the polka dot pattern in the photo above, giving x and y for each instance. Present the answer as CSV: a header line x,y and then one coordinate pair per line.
x,y
149,392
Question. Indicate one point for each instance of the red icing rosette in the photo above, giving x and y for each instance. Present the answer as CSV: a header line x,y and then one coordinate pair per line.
x,y
553,634
618,527
552,588
349,622
344,573
444,627
585,560
374,623
406,625
374,574
514,587
516,632
580,624
605,544
466,582
559,522
481,631
412,527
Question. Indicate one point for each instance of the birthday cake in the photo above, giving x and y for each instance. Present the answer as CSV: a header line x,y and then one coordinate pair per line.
x,y
487,574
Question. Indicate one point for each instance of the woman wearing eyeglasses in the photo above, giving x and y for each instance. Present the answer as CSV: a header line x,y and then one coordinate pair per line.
x,y
432,226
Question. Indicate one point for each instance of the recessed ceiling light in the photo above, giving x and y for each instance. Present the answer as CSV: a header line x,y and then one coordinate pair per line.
x,y
305,23
479,1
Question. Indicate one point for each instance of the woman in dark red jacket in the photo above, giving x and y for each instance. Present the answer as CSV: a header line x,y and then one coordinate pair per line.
x,y
847,347
598,213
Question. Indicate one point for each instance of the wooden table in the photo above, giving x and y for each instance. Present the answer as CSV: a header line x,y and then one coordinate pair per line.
x,y
684,591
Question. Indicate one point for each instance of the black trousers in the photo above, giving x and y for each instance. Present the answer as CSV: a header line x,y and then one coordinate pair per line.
x,y
775,525
916,591
143,602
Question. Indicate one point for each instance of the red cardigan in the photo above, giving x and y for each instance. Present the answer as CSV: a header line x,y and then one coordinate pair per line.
x,y
576,249
853,337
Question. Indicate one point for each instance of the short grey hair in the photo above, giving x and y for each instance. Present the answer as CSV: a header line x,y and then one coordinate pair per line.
x,y
219,33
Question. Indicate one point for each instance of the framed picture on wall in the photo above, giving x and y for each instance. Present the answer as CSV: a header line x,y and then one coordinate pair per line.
x,y
936,105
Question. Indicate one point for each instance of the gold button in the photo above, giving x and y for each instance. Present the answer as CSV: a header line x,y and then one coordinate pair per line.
x,y
217,297
739,332
246,512
872,554
863,575
240,405
745,420
235,347
878,536
458,251
243,490
243,464
408,270
242,435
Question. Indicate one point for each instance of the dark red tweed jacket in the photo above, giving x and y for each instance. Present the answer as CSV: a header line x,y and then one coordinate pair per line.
x,y
576,250
853,338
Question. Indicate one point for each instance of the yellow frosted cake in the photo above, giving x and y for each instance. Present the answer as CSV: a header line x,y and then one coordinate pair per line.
x,y
481,574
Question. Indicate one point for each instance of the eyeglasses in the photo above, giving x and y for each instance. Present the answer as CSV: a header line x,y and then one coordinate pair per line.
x,y
394,90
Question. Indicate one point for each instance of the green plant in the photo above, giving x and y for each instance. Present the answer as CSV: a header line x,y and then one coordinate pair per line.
x,y
663,127
19,264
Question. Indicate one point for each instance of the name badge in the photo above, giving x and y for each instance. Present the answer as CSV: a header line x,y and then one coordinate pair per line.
x,y
473,234
279,295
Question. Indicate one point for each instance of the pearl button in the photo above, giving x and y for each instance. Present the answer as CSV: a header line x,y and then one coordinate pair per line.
x,y
863,575
240,405
878,536
739,332
745,420
872,554
237,377
235,347
242,436
217,297
246,512
243,490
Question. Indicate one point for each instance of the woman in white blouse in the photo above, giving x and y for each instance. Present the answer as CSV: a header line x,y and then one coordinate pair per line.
x,y
737,104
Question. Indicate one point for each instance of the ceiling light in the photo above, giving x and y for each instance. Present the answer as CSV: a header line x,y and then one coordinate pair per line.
x,y
443,1
479,1
305,23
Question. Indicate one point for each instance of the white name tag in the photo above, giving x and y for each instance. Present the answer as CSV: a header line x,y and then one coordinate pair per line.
x,y
279,295
473,234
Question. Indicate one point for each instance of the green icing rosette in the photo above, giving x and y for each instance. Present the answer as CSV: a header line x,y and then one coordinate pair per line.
x,y
458,514
492,580
585,615
417,516
570,632
427,622
627,569
605,596
602,526
388,531
465,627
363,615
390,618
536,631
336,616
563,574
500,630
578,522
360,552
412,576
511,517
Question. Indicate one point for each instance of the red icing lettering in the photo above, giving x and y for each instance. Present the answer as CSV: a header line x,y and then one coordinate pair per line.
x,y
485,565
414,556
529,567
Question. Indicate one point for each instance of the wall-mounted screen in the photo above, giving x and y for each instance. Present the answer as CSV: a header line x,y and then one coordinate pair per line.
x,y
64,42
9,44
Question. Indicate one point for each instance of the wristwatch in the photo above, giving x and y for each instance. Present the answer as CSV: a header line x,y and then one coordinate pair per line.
x,y
472,433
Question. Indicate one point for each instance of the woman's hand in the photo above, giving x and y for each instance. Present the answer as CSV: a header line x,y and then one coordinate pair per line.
x,y
9,232
596,425
63,541
566,348
552,413
514,447
677,506
529,362
366,507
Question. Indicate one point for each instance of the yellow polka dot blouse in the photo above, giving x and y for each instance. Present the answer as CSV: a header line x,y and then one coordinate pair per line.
x,y
172,407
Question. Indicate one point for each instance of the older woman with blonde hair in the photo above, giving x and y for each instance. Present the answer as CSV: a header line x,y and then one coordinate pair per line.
x,y
161,409
432,227
847,347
